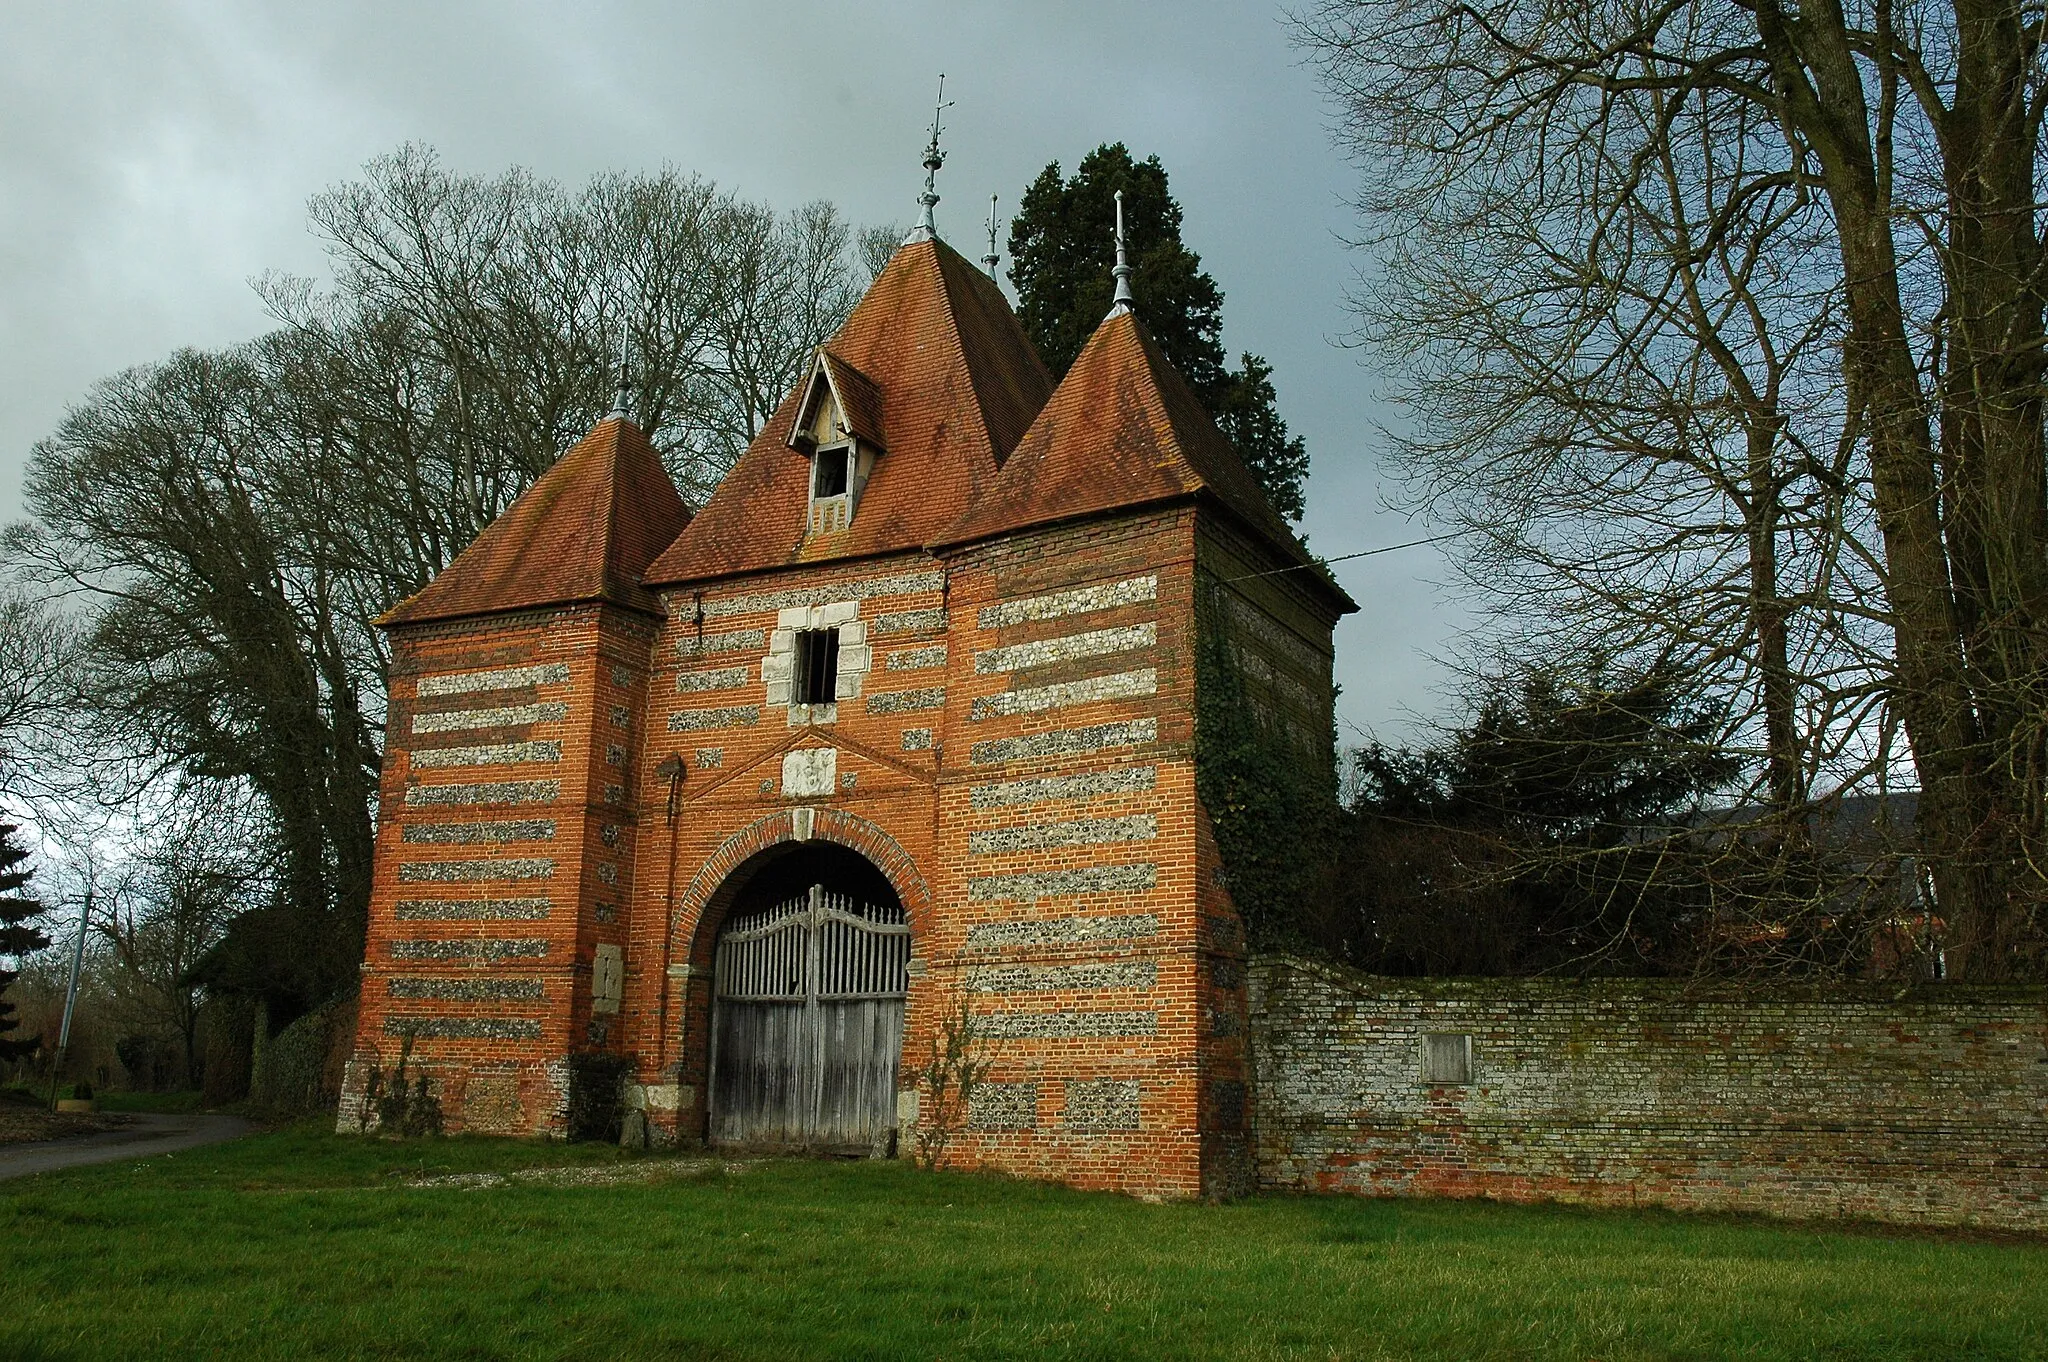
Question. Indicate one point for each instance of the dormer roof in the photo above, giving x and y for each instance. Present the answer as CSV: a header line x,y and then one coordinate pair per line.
x,y
584,531
852,394
1123,430
954,384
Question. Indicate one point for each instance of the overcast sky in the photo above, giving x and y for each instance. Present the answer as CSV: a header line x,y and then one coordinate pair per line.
x,y
154,157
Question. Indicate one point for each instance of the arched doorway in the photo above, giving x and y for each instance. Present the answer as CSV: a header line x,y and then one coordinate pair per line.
x,y
809,978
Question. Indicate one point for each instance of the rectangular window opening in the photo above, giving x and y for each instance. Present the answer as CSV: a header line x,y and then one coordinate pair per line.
x,y
817,666
1447,1059
828,472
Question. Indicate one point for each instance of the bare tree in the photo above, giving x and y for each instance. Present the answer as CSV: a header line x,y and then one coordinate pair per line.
x,y
1735,192
791,284
240,519
875,245
161,918
40,699
212,648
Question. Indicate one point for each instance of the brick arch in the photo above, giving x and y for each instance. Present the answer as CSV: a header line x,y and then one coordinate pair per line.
x,y
712,888
701,910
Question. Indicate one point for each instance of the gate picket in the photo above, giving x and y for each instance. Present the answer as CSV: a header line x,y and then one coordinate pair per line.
x,y
808,1023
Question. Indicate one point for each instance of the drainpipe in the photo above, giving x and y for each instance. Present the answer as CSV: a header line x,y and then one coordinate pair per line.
x,y
671,770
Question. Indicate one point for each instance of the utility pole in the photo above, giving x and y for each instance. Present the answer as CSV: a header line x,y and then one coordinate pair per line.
x,y
71,991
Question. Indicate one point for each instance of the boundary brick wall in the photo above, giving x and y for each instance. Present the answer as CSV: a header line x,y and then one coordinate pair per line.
x,y
1929,1107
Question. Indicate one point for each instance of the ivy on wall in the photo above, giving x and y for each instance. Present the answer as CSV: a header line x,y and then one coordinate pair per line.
x,y
1273,806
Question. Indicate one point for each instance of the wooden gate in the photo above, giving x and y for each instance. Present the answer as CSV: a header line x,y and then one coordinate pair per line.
x,y
808,1022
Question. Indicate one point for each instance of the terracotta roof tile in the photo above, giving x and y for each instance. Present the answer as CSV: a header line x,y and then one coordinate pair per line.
x,y
585,531
1123,429
957,385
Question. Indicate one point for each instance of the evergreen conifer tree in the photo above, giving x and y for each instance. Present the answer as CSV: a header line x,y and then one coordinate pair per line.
x,y
1062,249
18,934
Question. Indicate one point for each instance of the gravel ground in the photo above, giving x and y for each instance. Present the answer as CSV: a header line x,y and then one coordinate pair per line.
x,y
653,1170
140,1135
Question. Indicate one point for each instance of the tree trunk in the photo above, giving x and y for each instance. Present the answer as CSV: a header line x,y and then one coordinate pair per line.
x,y
1993,503
1959,819
1768,613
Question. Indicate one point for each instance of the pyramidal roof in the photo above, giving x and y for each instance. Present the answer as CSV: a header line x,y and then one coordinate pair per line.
x,y
1124,430
585,531
953,385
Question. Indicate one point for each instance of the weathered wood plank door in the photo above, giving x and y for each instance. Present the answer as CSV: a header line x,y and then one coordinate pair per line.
x,y
808,1022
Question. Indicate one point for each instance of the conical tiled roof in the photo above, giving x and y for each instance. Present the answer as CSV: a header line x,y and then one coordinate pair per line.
x,y
957,385
1123,430
585,531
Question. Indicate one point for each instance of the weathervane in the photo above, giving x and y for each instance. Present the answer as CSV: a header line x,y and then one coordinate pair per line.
x,y
926,229
1122,302
991,258
623,395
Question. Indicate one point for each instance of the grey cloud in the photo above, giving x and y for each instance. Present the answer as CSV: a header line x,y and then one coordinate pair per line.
x,y
159,156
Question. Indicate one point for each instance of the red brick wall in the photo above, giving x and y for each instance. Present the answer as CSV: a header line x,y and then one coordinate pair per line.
x,y
1273,630
504,850
1277,629
707,705
1091,987
1020,763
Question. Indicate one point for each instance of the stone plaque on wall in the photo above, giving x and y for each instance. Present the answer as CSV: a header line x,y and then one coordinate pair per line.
x,y
811,773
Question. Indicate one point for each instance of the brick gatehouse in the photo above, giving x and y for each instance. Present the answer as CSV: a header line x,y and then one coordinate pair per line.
x,y
894,737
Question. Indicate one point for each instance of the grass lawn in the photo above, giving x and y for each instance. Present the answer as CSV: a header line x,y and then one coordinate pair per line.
x,y
302,1244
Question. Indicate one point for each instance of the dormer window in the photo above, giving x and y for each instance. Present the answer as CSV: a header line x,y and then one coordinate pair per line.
x,y
838,428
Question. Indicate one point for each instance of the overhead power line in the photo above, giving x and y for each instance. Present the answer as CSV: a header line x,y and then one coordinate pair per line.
x,y
1343,558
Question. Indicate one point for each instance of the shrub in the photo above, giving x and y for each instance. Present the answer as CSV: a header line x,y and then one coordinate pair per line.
x,y
403,1110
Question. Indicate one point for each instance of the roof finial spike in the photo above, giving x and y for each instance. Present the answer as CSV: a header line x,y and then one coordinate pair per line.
x,y
622,398
991,258
1122,300
926,229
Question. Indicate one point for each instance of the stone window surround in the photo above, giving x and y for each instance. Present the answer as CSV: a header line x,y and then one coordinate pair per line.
x,y
816,667
778,667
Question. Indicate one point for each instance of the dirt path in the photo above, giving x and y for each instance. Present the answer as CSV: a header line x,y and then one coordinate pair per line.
x,y
150,1134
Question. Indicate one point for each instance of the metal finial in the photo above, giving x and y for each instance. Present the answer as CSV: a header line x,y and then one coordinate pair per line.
x,y
991,258
622,398
1122,300
926,229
